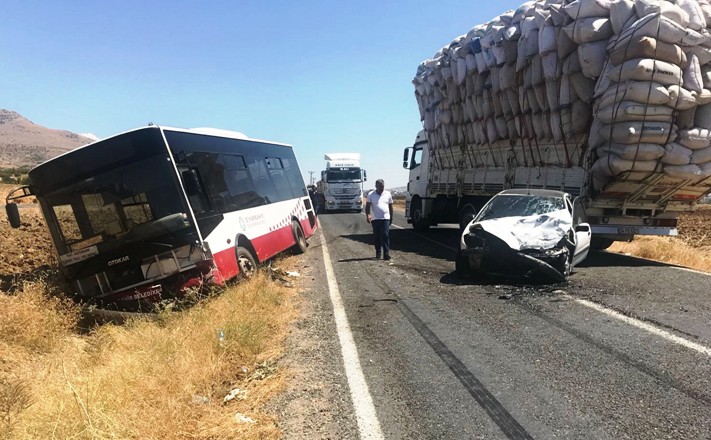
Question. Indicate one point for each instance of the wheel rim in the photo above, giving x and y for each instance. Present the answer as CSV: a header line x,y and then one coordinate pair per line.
x,y
417,213
246,266
299,233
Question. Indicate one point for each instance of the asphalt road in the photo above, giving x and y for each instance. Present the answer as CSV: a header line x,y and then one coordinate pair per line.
x,y
620,351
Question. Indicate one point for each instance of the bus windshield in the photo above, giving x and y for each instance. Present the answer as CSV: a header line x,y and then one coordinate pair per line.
x,y
138,201
344,175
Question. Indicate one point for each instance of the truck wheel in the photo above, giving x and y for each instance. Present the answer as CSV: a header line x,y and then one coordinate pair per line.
x,y
600,244
419,223
298,231
246,262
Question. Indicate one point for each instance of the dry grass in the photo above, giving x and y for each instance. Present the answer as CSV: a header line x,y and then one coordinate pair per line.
x,y
152,379
669,250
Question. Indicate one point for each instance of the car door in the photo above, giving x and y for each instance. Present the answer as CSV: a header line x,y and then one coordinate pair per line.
x,y
583,232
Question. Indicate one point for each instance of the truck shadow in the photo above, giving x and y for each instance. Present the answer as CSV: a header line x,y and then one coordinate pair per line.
x,y
430,245
611,259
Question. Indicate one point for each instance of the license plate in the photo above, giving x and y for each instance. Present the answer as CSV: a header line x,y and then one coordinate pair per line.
x,y
627,230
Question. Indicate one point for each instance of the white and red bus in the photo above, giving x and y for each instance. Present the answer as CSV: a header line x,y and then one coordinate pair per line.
x,y
146,214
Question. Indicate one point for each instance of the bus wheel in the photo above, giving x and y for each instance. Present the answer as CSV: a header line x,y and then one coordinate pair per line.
x,y
300,246
246,262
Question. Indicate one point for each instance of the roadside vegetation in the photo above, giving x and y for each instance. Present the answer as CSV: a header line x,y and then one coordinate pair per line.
x,y
172,376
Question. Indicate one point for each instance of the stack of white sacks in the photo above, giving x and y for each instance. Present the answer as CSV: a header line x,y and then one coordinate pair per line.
x,y
633,77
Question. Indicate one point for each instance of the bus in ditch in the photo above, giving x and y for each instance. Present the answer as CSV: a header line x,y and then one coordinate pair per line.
x,y
148,214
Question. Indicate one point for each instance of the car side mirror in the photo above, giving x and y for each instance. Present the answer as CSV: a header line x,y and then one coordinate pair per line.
x,y
191,183
13,215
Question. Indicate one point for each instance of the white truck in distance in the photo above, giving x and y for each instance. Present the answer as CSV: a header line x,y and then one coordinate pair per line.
x,y
341,184
609,101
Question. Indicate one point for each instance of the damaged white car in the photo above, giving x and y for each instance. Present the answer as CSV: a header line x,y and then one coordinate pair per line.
x,y
532,233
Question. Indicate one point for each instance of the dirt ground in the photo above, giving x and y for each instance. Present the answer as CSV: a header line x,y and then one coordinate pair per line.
x,y
26,251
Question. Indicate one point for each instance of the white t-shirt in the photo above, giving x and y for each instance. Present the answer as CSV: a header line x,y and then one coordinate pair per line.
x,y
379,204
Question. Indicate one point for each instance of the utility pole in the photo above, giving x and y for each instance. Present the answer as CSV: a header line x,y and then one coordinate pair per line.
x,y
311,177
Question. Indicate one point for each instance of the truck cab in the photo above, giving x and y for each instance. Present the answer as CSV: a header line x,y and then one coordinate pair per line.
x,y
341,185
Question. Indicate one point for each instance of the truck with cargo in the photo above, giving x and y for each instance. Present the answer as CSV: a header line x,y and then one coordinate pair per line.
x,y
609,101
341,184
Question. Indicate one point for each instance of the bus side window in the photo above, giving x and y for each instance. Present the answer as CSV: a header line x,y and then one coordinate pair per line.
x,y
280,184
239,184
293,175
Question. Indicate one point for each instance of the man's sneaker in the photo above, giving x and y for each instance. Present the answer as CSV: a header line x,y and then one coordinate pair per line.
x,y
377,256
386,257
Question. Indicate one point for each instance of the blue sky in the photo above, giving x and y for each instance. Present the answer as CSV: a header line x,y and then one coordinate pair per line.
x,y
324,76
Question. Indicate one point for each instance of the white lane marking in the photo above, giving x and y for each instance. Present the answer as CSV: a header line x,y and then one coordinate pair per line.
x,y
686,269
644,326
426,238
368,423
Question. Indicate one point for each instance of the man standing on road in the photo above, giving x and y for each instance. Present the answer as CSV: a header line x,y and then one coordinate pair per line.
x,y
381,203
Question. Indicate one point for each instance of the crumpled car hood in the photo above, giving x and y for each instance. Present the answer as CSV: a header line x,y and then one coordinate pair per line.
x,y
529,232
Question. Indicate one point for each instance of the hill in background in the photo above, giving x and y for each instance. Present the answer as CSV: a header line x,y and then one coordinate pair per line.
x,y
24,143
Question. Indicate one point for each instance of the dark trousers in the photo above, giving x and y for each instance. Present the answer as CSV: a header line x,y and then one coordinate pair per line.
x,y
381,234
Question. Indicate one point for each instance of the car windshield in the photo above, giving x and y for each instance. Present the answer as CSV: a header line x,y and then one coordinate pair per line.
x,y
519,205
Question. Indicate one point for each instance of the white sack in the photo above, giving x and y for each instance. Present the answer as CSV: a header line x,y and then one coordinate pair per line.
x,y
704,97
695,138
621,12
586,30
633,151
547,39
702,52
676,154
663,28
592,58
587,8
665,8
648,92
635,132
692,78
680,98
643,46
633,111
697,21
683,171
701,156
612,165
564,44
646,69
